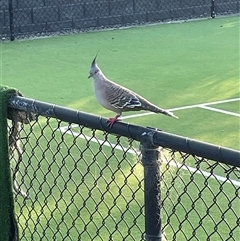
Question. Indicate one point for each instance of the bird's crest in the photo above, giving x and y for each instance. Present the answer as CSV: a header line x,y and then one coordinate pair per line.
x,y
94,60
94,68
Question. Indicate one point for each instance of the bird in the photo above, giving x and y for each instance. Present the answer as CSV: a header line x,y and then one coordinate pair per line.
x,y
117,98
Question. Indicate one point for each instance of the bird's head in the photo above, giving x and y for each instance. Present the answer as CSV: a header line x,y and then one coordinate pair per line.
x,y
94,68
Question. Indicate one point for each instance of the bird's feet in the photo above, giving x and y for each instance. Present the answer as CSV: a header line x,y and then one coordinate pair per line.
x,y
111,121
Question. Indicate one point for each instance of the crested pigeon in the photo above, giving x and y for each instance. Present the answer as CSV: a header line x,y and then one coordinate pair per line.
x,y
117,98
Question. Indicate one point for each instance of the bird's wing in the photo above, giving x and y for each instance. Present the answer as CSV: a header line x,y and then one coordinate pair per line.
x,y
121,98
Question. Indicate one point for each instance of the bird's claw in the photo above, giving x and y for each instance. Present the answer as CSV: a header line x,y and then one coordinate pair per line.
x,y
111,121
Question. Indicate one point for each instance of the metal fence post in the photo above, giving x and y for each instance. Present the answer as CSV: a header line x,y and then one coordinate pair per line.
x,y
152,195
10,8
213,14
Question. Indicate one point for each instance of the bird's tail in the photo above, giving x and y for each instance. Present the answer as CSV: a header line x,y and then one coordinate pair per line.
x,y
159,110
146,105
166,112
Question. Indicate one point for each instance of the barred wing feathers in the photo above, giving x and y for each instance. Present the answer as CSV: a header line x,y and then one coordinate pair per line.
x,y
120,98
126,100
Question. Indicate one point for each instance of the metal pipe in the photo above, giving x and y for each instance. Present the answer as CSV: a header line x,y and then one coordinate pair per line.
x,y
152,192
11,27
213,14
160,138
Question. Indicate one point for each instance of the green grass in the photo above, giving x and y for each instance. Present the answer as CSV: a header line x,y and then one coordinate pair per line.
x,y
173,65
232,107
70,181
85,186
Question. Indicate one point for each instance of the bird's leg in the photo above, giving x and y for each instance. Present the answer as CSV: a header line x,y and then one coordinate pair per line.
x,y
111,121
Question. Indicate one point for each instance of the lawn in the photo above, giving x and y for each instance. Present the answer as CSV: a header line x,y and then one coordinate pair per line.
x,y
72,186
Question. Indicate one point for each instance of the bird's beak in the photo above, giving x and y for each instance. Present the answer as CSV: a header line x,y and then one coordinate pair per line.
x,y
89,76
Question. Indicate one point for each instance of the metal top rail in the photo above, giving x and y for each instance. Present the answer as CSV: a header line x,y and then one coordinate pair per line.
x,y
158,138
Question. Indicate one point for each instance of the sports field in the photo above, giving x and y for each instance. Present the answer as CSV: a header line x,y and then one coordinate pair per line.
x,y
191,68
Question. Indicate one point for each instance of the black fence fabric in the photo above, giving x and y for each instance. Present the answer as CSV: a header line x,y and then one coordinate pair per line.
x,y
79,183
24,18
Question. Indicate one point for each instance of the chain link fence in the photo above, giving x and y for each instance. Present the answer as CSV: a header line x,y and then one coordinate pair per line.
x,y
23,18
77,179
223,7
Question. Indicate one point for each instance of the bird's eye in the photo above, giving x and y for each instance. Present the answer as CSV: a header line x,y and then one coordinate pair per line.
x,y
96,71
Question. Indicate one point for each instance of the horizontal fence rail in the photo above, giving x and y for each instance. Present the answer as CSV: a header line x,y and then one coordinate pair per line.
x,y
78,179
161,138
33,18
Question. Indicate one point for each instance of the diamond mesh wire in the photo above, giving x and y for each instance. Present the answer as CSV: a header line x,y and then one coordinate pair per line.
x,y
27,19
84,184
200,199
224,7
81,184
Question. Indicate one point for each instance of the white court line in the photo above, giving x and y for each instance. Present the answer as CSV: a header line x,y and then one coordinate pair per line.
x,y
183,108
94,139
219,110
171,163
206,174
136,115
